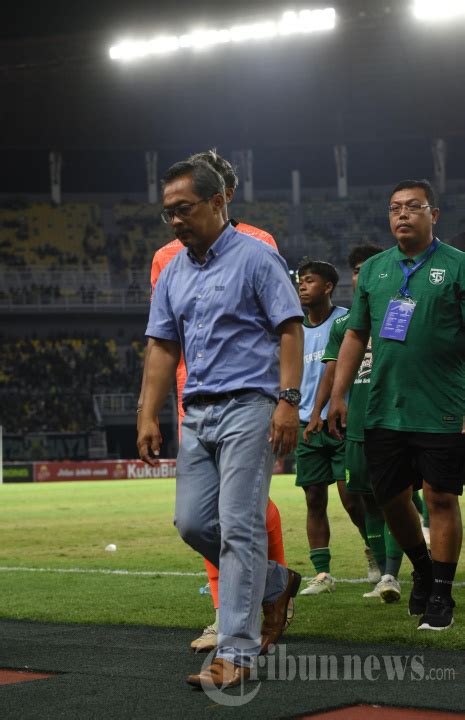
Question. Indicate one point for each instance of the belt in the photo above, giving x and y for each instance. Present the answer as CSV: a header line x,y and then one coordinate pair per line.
x,y
212,398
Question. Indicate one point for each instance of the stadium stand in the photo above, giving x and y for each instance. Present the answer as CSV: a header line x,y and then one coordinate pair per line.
x,y
95,257
271,216
67,254
51,236
141,233
49,384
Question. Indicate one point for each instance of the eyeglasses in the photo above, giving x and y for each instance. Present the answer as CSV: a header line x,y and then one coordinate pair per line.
x,y
411,207
183,210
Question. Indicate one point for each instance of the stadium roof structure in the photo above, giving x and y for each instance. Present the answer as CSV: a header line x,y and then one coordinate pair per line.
x,y
381,78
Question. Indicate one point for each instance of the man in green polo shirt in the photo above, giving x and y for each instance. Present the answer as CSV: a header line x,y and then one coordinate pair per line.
x,y
411,299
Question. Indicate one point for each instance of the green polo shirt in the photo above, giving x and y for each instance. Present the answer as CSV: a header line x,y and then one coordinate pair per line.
x,y
419,384
358,397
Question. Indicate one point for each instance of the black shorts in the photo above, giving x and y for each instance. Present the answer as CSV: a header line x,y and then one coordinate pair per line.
x,y
397,460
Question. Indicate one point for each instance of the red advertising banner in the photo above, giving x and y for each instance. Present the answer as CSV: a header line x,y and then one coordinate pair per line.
x,y
102,470
110,470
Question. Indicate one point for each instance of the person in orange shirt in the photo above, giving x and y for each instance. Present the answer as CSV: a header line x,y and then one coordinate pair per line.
x,y
208,640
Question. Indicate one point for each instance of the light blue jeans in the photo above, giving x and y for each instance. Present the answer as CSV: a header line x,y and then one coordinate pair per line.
x,y
223,478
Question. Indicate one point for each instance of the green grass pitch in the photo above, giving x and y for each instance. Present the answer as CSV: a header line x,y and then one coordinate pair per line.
x,y
68,525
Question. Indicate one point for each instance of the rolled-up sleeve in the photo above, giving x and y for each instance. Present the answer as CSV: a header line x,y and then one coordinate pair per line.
x,y
277,296
336,336
162,323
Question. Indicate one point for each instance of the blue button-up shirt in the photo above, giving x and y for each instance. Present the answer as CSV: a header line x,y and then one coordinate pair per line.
x,y
225,312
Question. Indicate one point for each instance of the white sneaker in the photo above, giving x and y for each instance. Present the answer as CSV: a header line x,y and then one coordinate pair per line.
x,y
323,582
373,593
374,574
389,589
207,641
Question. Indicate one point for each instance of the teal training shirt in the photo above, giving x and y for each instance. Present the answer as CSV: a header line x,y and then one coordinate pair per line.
x,y
315,339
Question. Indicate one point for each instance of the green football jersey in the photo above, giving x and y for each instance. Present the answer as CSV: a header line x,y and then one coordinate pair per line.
x,y
358,396
418,384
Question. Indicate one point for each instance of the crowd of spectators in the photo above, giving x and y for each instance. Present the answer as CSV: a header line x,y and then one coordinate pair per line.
x,y
140,231
56,237
85,236
46,385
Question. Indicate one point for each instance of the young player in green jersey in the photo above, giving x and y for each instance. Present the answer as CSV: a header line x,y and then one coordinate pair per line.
x,y
320,463
386,550
411,300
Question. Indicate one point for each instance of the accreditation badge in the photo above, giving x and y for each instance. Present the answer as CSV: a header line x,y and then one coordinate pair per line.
x,y
397,319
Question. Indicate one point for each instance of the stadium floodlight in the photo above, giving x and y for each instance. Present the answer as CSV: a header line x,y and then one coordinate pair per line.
x,y
439,9
307,21
291,23
201,39
137,49
257,31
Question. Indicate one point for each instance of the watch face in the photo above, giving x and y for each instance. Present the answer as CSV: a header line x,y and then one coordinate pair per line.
x,y
292,396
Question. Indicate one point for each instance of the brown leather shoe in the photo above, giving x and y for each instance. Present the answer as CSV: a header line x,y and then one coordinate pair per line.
x,y
220,674
275,614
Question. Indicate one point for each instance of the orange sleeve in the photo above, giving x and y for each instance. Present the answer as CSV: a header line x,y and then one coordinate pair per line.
x,y
155,272
161,259
255,232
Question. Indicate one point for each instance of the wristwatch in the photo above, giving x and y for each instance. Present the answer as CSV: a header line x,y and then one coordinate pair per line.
x,y
291,396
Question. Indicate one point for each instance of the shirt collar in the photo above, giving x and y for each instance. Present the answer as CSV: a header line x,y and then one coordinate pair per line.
x,y
416,258
218,246
307,324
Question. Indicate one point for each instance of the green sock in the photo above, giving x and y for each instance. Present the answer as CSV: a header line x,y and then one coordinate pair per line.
x,y
417,501
394,553
374,523
425,514
320,558
363,532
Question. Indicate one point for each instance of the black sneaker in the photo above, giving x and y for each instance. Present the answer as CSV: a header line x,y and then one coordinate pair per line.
x,y
438,614
419,596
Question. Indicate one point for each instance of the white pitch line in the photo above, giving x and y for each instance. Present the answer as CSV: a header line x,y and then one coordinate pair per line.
x,y
162,573
103,571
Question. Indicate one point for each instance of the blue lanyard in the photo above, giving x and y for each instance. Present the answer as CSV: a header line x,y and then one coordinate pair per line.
x,y
408,272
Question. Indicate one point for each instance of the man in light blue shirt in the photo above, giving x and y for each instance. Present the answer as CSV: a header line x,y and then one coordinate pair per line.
x,y
228,303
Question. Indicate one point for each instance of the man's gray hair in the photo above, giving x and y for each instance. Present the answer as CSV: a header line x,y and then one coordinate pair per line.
x,y
221,165
206,181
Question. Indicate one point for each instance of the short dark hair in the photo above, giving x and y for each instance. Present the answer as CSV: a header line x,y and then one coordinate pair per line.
x,y
221,165
324,269
360,253
206,181
424,184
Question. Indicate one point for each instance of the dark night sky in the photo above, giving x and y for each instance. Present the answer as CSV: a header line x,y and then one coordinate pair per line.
x,y
50,17
380,83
